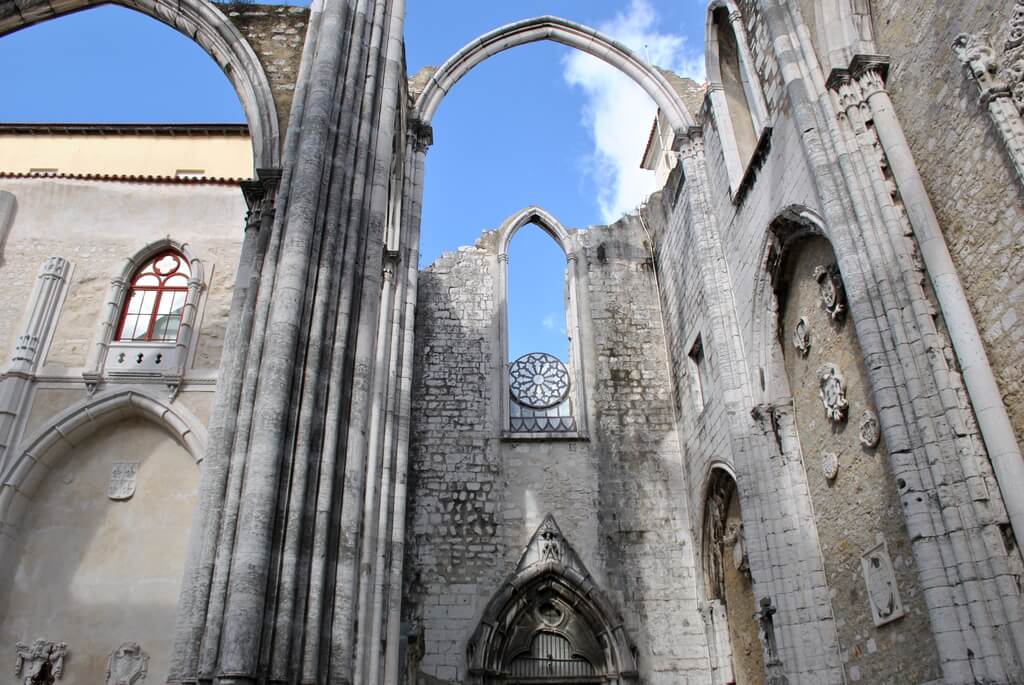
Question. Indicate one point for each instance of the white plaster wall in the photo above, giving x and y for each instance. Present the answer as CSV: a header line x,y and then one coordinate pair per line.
x,y
93,572
97,225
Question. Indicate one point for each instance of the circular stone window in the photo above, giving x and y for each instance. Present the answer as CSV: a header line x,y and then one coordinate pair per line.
x,y
538,380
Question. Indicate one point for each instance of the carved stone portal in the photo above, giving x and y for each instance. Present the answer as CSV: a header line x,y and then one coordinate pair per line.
x,y
802,337
127,665
869,431
880,578
830,286
832,391
122,480
40,664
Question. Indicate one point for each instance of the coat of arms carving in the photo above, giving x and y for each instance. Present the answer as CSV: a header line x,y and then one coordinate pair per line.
x,y
42,663
122,480
832,391
830,287
127,665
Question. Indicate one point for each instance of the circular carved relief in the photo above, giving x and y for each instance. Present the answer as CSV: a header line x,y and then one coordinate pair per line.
x,y
830,287
538,380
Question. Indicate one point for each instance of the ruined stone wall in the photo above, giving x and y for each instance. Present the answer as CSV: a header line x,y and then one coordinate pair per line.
x,y
476,500
966,171
760,45
276,33
859,506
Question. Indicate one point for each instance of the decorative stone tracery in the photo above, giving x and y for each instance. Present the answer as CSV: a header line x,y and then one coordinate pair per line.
x,y
549,620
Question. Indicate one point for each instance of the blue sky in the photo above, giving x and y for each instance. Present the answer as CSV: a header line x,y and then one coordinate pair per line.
x,y
540,124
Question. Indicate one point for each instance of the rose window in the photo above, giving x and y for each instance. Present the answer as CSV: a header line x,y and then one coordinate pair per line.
x,y
538,380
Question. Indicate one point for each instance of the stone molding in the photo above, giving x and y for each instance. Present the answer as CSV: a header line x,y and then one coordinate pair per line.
x,y
1000,82
202,22
561,31
37,455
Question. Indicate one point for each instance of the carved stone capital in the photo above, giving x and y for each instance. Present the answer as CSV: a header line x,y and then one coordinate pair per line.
x,y
422,135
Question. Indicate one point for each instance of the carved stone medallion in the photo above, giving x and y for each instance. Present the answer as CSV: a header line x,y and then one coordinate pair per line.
x,y
40,664
832,391
880,578
830,287
127,665
830,465
869,431
122,480
802,337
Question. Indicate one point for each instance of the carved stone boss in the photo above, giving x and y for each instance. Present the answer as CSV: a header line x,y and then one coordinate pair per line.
x,y
880,579
832,391
830,287
122,480
41,663
1000,81
869,432
127,665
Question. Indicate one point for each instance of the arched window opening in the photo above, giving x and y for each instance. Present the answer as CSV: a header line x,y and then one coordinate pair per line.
x,y
735,86
541,376
737,651
156,300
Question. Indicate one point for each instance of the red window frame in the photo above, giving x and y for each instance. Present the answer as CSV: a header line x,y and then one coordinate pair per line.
x,y
149,271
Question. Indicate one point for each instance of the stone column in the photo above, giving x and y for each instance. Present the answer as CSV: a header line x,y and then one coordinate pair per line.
x,y
40,319
281,571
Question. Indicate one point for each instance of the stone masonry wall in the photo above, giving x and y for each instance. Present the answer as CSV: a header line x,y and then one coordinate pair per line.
x,y
476,500
861,503
972,186
276,33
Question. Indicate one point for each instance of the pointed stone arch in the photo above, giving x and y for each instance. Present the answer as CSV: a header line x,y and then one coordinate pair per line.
x,y
36,456
551,593
561,31
205,24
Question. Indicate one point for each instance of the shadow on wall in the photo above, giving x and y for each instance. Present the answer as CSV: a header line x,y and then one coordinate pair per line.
x,y
8,208
94,572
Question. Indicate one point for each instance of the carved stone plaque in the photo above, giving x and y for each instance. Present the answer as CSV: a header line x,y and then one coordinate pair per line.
x,y
122,480
832,391
127,665
43,662
802,337
830,287
880,579
830,465
869,432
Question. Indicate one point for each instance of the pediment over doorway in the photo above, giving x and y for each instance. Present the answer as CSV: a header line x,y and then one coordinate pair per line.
x,y
550,623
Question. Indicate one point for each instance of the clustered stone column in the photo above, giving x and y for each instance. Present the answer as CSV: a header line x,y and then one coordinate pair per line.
x,y
289,571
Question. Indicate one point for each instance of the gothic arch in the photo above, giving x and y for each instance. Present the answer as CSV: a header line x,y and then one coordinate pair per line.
x,y
560,31
204,23
119,286
748,109
549,224
35,455
550,570
790,226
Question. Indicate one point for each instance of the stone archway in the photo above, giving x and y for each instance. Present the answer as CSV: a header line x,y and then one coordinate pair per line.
x,y
561,31
550,621
201,21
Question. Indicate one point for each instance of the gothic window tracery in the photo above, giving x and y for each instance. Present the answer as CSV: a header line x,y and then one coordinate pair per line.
x,y
156,299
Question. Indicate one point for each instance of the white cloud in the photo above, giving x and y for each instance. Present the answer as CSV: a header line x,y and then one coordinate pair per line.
x,y
553,322
619,113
